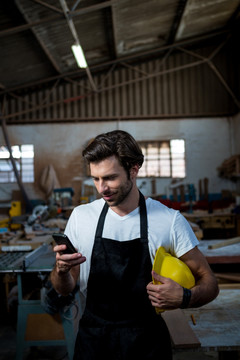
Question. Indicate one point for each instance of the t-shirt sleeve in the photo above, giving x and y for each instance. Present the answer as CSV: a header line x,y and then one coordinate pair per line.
x,y
183,237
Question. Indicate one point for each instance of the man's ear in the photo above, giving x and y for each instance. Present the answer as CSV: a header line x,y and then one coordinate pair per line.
x,y
134,170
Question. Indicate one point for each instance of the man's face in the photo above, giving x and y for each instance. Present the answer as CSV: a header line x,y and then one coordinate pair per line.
x,y
111,180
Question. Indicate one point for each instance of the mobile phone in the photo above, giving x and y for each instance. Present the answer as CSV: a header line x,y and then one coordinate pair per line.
x,y
62,239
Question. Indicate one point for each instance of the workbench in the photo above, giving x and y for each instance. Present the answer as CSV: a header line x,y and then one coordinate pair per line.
x,y
214,220
31,313
217,324
216,223
211,328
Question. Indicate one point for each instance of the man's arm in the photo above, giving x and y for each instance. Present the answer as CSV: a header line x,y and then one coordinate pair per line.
x,y
65,274
206,287
169,294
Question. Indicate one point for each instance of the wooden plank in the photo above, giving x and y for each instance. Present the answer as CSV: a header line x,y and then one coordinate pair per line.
x,y
225,243
229,286
181,333
230,276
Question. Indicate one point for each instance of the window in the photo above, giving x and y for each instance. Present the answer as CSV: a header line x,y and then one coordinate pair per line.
x,y
24,159
163,158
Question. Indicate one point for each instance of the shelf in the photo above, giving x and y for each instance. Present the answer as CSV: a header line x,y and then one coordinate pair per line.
x,y
230,168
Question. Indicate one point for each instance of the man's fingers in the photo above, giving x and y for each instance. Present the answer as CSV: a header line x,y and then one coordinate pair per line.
x,y
159,278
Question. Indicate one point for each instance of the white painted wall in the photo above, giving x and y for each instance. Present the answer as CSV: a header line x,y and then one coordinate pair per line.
x,y
235,121
208,143
236,133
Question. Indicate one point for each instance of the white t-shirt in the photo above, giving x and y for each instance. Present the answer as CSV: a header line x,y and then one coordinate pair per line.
x,y
166,227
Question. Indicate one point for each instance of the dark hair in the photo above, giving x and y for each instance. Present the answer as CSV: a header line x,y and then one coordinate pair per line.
x,y
118,143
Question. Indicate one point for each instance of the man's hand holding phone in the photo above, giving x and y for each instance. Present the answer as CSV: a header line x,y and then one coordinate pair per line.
x,y
66,255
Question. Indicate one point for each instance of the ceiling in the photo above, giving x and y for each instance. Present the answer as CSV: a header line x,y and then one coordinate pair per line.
x,y
36,35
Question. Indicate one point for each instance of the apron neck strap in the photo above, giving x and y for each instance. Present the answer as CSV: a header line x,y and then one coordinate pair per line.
x,y
101,221
143,218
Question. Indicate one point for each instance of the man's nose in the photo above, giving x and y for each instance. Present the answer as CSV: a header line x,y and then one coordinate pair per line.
x,y
102,186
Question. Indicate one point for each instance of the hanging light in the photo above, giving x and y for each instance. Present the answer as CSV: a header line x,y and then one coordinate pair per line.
x,y
79,56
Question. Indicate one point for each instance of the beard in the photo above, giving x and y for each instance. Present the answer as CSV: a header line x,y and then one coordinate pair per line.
x,y
120,195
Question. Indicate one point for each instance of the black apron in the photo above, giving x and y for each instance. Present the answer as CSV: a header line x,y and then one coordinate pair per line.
x,y
119,322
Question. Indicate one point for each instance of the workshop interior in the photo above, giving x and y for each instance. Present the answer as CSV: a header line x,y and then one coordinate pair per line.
x,y
167,72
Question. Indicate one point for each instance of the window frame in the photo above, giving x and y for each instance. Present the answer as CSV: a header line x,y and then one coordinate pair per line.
x,y
170,158
8,176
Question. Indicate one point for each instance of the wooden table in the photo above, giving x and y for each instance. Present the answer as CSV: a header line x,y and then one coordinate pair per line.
x,y
213,327
218,324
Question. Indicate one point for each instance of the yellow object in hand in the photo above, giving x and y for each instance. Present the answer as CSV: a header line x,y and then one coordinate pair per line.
x,y
173,268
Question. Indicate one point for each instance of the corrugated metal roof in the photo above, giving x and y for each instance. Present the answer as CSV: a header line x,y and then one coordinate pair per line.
x,y
35,38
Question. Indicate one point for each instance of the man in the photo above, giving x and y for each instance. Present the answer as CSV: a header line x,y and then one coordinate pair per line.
x,y
116,238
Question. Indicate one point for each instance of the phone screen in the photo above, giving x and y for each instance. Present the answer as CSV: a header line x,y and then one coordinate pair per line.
x,y
62,239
